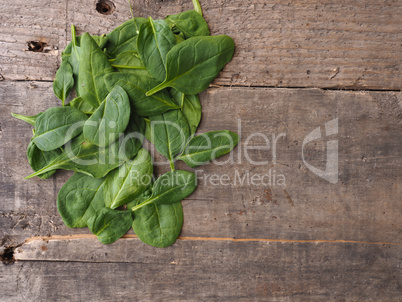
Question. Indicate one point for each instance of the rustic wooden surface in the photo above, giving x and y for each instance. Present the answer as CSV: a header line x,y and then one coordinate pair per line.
x,y
304,240
302,43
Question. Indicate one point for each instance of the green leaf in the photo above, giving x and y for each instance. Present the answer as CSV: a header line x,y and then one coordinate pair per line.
x,y
93,66
39,159
109,120
169,132
170,188
82,105
72,52
136,85
148,131
109,225
82,195
193,64
72,55
100,40
80,204
79,199
189,23
63,82
128,181
127,60
208,146
58,125
81,156
190,106
124,37
29,119
154,42
179,39
68,51
133,137
158,225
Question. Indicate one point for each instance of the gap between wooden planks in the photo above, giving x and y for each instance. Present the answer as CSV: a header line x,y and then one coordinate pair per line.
x,y
90,236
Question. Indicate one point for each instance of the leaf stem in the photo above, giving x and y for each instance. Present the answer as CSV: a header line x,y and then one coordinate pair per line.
x,y
73,35
29,119
128,67
41,171
132,16
171,165
156,89
142,204
197,7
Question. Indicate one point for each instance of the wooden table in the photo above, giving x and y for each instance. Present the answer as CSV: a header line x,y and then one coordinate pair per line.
x,y
298,65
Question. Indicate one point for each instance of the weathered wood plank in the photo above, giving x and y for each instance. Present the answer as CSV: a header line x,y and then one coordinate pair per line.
x,y
362,206
347,44
207,271
23,22
75,248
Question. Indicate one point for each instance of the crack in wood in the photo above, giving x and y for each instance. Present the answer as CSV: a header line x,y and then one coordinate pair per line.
x,y
90,236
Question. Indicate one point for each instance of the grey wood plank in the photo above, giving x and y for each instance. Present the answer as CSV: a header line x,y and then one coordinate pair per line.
x,y
362,206
86,248
347,44
208,271
23,22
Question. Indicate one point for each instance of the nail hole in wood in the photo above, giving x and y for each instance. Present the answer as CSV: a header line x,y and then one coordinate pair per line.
x,y
36,46
105,7
7,256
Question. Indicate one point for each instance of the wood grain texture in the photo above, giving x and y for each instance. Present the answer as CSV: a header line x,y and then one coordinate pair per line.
x,y
276,264
361,206
300,239
205,271
344,44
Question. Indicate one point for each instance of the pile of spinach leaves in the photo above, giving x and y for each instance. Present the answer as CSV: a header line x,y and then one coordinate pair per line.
x,y
142,79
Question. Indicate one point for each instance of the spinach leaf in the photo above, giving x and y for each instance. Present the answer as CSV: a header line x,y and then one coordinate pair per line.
x,y
170,132
190,106
109,120
72,52
124,37
65,55
148,132
179,39
63,82
208,146
82,105
80,204
158,225
29,119
154,42
133,138
111,168
81,156
82,195
72,55
127,60
58,125
100,40
109,225
170,188
79,199
193,64
128,181
93,66
39,159
136,85
189,23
